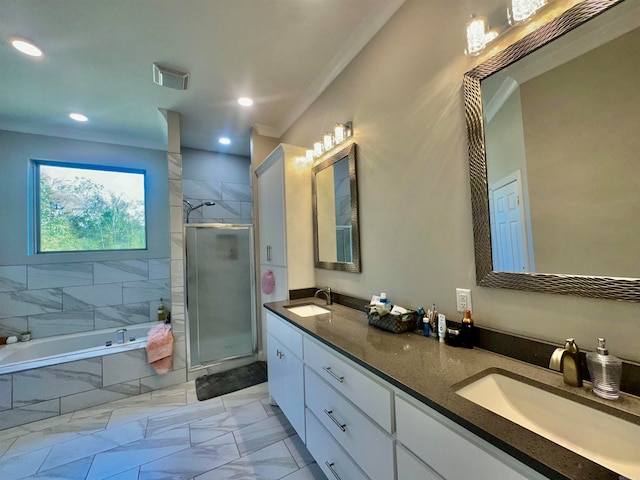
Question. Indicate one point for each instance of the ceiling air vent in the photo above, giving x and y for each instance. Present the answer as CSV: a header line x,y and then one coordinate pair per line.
x,y
170,77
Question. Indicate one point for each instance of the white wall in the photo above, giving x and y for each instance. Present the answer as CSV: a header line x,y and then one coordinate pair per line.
x,y
404,95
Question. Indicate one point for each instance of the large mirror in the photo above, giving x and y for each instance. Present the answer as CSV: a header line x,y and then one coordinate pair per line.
x,y
335,212
553,129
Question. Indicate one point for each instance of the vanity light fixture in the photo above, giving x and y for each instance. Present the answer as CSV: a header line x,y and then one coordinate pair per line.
x,y
520,11
245,101
477,28
309,156
26,47
327,141
478,35
78,117
317,149
341,132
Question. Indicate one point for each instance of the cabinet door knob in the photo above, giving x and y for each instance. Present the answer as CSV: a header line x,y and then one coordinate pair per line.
x,y
330,372
341,426
332,470
279,354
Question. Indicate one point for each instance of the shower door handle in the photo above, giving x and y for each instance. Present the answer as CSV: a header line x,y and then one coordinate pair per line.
x,y
268,253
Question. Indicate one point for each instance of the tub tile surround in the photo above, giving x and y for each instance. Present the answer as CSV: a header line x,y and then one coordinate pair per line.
x,y
46,392
163,434
62,298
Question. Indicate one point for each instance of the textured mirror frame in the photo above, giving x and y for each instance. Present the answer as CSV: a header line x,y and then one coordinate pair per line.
x,y
353,266
625,289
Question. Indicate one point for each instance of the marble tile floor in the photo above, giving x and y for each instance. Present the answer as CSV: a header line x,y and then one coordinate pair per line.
x,y
164,434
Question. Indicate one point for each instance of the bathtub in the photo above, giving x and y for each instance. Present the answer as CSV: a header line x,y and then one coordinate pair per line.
x,y
43,352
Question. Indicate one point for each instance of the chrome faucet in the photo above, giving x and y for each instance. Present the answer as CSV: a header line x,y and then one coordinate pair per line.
x,y
120,335
567,360
327,294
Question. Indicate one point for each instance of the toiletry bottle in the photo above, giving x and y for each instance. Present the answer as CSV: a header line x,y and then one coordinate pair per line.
x,y
434,321
383,299
468,331
442,327
162,312
605,371
427,326
419,316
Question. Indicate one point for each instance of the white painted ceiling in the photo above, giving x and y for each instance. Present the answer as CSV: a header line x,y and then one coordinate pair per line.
x,y
98,57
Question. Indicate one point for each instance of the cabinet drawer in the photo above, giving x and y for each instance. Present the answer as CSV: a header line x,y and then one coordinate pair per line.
x,y
370,396
290,336
331,458
409,468
368,445
436,441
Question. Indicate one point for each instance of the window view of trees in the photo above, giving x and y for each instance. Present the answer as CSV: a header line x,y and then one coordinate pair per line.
x,y
88,209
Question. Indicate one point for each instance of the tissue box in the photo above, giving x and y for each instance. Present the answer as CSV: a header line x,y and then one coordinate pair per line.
x,y
394,323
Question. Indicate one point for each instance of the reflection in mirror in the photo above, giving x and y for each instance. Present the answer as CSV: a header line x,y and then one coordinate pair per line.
x,y
561,185
335,206
553,138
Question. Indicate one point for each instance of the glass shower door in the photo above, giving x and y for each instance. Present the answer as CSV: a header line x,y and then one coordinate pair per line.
x,y
220,293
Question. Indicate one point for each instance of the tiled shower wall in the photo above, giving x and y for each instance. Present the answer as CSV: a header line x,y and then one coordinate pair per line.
x,y
221,178
63,298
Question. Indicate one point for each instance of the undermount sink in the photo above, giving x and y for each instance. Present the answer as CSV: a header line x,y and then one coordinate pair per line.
x,y
307,310
599,436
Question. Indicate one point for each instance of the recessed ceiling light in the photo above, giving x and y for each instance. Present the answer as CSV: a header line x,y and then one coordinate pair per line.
x,y
26,47
224,141
78,117
245,101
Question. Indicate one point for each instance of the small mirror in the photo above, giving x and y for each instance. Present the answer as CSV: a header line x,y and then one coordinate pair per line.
x,y
335,212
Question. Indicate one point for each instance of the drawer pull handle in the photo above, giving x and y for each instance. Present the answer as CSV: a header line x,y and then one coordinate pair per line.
x,y
330,467
341,426
330,372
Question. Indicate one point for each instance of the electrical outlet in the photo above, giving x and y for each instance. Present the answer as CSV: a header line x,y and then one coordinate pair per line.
x,y
463,299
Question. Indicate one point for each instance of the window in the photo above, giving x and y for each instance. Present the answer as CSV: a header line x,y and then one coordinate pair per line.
x,y
89,208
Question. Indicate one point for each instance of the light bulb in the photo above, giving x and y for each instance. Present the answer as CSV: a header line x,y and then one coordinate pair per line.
x,y
338,133
327,140
476,35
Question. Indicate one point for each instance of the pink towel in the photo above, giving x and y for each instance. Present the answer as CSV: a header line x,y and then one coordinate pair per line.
x,y
268,282
160,348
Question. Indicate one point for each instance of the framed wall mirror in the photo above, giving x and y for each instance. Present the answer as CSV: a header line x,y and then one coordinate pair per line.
x,y
335,212
552,124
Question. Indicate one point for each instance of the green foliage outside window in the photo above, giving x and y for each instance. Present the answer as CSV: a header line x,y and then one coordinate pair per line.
x,y
82,209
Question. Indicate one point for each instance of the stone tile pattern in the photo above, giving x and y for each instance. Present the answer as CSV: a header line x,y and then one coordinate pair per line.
x,y
63,298
78,297
225,182
162,434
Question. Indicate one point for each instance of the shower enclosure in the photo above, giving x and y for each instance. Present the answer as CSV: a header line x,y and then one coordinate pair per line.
x,y
220,293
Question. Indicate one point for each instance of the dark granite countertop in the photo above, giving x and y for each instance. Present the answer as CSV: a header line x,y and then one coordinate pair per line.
x,y
430,371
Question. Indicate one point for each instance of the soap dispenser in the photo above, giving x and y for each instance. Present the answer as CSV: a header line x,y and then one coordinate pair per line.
x,y
605,371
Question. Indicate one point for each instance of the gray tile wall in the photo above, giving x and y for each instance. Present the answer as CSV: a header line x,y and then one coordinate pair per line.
x,y
223,179
63,298
46,392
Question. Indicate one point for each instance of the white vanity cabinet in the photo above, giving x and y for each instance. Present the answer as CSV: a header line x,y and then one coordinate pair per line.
x,y
285,215
448,449
331,457
285,228
285,370
358,426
